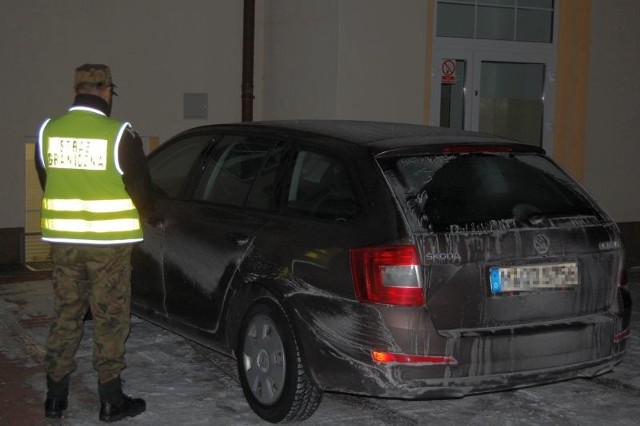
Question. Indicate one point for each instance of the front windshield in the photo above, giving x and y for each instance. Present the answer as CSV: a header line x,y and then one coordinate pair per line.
x,y
471,192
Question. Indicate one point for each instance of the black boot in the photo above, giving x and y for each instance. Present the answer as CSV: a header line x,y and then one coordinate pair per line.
x,y
115,405
57,397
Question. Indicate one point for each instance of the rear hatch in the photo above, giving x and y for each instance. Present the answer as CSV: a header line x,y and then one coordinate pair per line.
x,y
507,239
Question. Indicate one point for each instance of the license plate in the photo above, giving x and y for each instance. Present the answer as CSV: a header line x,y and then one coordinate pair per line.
x,y
533,277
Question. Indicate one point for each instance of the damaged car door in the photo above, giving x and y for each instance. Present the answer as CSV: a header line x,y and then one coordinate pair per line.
x,y
209,235
171,169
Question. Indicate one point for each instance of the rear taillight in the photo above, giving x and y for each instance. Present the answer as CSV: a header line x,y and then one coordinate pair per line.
x,y
622,277
387,274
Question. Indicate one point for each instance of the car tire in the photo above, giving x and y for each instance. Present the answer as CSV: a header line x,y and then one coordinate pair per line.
x,y
273,377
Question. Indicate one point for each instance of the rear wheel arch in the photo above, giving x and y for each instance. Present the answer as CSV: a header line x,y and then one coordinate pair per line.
x,y
246,295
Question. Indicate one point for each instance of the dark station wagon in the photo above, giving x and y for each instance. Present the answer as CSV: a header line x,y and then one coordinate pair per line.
x,y
380,259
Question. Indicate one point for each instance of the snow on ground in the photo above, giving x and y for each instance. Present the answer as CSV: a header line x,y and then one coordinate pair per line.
x,y
187,384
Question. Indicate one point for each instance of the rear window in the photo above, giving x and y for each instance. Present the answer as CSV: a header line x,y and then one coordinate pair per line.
x,y
475,192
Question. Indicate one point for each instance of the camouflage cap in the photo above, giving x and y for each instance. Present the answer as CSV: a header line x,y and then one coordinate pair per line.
x,y
93,75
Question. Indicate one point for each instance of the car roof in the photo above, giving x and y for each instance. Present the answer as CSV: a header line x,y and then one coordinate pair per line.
x,y
382,137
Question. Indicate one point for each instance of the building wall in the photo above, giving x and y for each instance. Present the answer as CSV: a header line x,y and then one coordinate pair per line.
x,y
300,61
612,171
382,60
355,59
157,52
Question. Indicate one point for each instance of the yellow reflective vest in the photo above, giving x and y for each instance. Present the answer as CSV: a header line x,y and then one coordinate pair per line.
x,y
85,201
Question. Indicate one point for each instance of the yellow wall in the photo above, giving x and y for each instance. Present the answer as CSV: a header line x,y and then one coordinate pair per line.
x,y
574,17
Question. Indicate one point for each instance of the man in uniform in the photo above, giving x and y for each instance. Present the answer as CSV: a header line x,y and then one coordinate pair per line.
x,y
96,187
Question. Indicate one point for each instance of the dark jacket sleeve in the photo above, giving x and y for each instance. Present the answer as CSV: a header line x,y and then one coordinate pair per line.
x,y
42,172
135,176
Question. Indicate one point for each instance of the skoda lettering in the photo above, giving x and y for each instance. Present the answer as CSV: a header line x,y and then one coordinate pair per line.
x,y
443,257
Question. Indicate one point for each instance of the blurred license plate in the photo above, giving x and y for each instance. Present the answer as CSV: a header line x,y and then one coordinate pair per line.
x,y
533,277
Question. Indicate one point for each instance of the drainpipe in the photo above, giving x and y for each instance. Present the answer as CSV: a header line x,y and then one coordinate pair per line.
x,y
247,59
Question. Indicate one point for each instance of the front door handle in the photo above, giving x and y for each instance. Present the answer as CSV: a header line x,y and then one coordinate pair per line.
x,y
156,222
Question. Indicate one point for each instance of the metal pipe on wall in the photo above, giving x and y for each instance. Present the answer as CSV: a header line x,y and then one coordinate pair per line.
x,y
247,59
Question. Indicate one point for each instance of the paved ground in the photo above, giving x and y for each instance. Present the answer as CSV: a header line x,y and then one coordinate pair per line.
x,y
186,384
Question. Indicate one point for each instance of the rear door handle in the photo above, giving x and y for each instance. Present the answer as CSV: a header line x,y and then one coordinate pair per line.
x,y
240,239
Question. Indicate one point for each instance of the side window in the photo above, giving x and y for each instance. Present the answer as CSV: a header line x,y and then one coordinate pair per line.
x,y
170,167
320,187
263,195
235,170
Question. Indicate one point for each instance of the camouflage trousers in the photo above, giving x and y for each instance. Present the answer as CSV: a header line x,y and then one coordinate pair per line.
x,y
90,276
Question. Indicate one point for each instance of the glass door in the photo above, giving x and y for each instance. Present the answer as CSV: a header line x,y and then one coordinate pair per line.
x,y
510,100
502,94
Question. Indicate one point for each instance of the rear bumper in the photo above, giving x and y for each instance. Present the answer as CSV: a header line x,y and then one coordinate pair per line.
x,y
461,386
499,359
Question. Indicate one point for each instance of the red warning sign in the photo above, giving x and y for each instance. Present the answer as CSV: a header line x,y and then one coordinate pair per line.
x,y
448,71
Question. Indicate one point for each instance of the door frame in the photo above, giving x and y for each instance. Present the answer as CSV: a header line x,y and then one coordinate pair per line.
x,y
477,51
